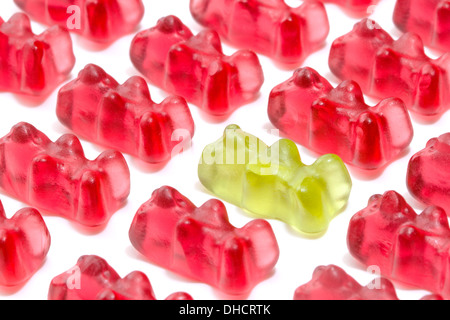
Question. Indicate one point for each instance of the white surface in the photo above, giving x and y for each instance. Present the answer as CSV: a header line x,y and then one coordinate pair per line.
x,y
299,255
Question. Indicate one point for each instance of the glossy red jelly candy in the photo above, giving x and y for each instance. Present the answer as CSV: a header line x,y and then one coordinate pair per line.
x,y
428,177
307,109
99,20
24,244
57,178
270,27
387,67
33,64
200,243
124,117
333,283
194,67
428,18
355,7
410,248
92,278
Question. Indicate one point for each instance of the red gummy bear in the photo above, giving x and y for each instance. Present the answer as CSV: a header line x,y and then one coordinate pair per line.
x,y
56,177
270,27
33,64
101,20
123,117
201,243
333,283
195,67
428,178
24,244
94,279
384,67
407,247
430,19
307,109
355,7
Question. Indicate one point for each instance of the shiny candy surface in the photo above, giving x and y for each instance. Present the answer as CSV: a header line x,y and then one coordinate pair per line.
x,y
101,21
57,178
410,248
386,67
24,244
307,109
200,243
172,58
272,182
124,117
270,27
33,64
92,278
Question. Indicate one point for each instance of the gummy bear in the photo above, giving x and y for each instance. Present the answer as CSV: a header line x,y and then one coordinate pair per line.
x,y
24,244
410,248
200,243
355,7
270,27
333,283
307,109
428,178
57,178
384,67
194,67
272,182
102,21
33,64
92,278
430,19
123,117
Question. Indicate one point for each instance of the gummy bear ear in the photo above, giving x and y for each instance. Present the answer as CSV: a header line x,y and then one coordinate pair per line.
x,y
92,74
18,24
392,204
168,197
308,77
410,44
285,152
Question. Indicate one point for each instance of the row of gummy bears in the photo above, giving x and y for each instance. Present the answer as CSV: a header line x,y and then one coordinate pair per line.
x,y
268,181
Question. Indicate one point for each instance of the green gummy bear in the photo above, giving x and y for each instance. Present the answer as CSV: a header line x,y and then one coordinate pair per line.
x,y
272,182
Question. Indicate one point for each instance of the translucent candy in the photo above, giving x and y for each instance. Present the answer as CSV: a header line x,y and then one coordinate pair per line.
x,y
101,21
57,178
24,244
124,117
307,109
384,67
428,178
430,19
333,283
33,64
270,27
92,278
272,182
194,67
410,248
200,243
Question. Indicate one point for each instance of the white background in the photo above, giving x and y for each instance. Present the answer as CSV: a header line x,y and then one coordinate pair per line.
x,y
299,255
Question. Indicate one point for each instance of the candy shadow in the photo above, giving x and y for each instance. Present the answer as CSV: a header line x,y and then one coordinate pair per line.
x,y
421,119
9,291
146,167
133,253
